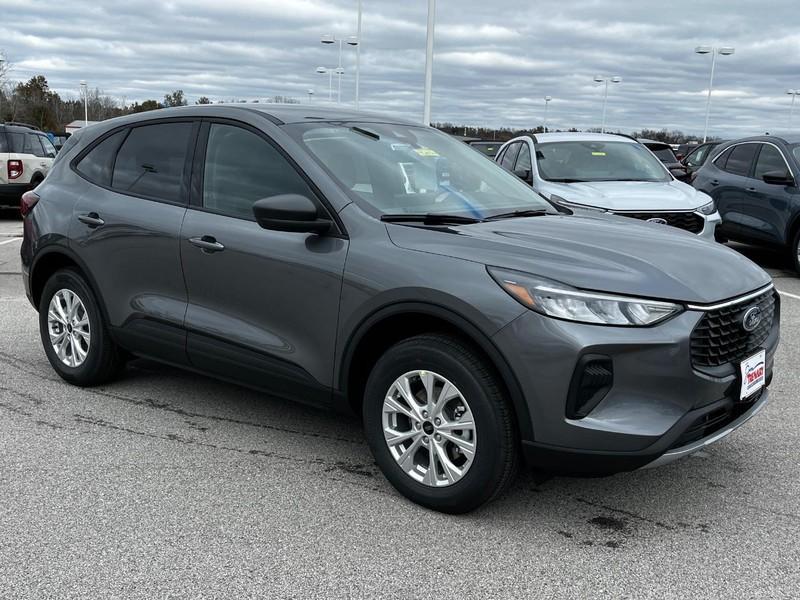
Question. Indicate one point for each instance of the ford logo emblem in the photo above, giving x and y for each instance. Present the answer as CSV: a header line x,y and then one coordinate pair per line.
x,y
657,221
751,318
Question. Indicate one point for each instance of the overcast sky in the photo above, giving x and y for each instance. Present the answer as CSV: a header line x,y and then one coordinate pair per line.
x,y
495,59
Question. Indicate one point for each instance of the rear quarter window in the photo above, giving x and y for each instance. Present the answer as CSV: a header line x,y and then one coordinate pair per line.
x,y
3,142
96,166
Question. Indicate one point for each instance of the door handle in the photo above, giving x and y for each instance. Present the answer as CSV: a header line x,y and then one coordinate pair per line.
x,y
752,190
92,220
207,243
714,182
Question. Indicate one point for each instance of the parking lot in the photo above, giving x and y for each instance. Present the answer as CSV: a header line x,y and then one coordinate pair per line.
x,y
165,484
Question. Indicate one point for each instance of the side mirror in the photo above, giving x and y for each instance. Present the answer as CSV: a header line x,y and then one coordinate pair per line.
x,y
778,178
680,174
289,212
525,174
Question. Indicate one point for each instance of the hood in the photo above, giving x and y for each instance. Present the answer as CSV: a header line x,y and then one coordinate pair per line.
x,y
640,196
597,252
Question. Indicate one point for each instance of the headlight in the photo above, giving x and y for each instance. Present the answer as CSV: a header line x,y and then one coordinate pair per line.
x,y
708,209
563,302
564,202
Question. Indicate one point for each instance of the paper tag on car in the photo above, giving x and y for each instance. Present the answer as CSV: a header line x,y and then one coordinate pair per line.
x,y
754,370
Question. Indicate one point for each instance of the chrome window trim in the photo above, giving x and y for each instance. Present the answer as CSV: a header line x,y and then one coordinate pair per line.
x,y
739,300
724,150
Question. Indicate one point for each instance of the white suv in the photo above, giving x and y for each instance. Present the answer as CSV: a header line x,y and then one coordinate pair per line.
x,y
26,155
608,172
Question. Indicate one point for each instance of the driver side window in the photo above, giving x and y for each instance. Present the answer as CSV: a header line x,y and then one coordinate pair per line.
x,y
242,167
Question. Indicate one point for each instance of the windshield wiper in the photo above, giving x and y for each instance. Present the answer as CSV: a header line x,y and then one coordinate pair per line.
x,y
519,214
429,219
567,180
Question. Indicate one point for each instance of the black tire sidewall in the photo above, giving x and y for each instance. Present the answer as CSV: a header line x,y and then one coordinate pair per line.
x,y
794,250
486,472
87,372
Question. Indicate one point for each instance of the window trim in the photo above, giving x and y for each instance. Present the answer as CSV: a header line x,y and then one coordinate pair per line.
x,y
190,150
751,172
199,163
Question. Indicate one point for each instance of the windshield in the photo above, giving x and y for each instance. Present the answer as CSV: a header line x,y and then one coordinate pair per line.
x,y
598,161
401,169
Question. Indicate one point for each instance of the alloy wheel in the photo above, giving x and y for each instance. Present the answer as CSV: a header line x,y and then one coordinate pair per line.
x,y
68,327
429,428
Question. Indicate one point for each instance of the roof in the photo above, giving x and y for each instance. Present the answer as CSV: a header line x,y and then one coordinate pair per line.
x,y
80,123
567,136
652,142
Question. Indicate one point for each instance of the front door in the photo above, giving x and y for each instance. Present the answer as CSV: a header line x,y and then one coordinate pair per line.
x,y
770,205
263,305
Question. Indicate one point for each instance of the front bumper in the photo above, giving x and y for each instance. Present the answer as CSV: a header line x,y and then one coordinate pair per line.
x,y
652,411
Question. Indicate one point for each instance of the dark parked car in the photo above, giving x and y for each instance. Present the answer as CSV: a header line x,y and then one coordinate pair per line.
x,y
754,182
487,148
359,262
666,155
698,156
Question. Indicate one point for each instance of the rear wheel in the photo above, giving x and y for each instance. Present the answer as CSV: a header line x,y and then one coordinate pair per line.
x,y
439,425
74,333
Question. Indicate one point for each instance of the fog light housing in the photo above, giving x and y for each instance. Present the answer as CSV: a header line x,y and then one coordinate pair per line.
x,y
591,381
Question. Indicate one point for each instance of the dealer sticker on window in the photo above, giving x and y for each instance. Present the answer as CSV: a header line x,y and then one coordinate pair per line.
x,y
753,374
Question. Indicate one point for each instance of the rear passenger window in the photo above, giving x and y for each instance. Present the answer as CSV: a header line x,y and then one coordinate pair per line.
x,y
151,161
96,166
510,156
242,167
740,159
16,142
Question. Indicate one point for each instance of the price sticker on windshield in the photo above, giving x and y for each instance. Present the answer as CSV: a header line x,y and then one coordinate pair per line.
x,y
423,151
598,153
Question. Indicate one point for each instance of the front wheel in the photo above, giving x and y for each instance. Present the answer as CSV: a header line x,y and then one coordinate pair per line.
x,y
439,425
796,252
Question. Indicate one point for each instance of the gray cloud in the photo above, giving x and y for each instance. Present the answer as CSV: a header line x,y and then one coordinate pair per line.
x,y
494,60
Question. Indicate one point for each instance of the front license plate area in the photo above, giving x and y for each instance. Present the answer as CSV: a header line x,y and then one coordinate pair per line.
x,y
754,374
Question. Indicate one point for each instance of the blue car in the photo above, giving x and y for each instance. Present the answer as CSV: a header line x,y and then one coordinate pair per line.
x,y
754,183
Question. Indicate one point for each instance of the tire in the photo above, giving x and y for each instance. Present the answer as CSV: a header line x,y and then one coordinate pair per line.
x,y
475,388
102,359
796,252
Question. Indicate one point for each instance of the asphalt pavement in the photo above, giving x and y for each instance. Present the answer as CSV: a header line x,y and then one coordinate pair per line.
x,y
169,485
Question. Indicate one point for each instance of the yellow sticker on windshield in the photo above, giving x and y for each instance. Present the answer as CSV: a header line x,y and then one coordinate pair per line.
x,y
598,153
423,151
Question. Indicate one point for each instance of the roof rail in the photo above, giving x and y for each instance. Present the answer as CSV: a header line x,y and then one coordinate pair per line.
x,y
17,124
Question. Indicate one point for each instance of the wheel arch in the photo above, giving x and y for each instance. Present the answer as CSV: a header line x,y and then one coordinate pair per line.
x,y
391,324
50,260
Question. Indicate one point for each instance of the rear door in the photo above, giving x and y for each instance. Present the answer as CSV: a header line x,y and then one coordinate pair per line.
x,y
126,229
728,186
263,305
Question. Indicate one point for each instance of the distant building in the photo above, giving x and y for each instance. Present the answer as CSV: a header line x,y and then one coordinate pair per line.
x,y
78,124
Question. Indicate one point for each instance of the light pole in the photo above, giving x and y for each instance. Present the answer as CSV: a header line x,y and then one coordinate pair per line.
x,y
351,41
310,93
426,111
793,94
85,92
1,90
606,80
358,54
724,51
546,102
329,72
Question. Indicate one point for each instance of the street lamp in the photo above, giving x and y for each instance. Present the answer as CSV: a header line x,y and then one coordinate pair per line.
x,y
85,92
310,93
724,51
358,54
352,40
606,80
546,102
793,94
329,72
426,111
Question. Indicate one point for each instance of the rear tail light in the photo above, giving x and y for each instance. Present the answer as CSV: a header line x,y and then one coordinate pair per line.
x,y
29,200
591,381
14,169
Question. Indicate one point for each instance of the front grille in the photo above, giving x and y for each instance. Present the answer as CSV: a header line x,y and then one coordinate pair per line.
x,y
719,337
689,221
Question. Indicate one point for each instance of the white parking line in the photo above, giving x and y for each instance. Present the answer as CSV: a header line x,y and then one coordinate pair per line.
x,y
788,295
14,239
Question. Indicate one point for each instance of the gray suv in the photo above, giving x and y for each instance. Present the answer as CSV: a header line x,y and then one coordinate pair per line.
x,y
358,262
